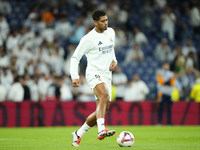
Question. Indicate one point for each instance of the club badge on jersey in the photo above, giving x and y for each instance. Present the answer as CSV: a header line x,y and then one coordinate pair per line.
x,y
98,76
111,39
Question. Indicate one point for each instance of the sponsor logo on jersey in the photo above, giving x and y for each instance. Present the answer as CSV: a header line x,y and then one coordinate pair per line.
x,y
106,49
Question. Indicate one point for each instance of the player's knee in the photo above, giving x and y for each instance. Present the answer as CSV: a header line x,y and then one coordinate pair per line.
x,y
105,98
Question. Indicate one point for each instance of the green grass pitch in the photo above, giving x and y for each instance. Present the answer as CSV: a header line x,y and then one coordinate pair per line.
x,y
59,138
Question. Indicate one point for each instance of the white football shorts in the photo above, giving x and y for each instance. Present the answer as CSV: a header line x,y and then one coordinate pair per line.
x,y
93,80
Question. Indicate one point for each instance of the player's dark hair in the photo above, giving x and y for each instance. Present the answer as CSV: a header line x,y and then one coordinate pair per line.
x,y
97,14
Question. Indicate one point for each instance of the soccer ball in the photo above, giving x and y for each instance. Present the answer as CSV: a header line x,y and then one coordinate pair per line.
x,y
125,139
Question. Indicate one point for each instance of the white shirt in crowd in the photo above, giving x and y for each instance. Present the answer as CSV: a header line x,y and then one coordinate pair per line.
x,y
186,49
86,93
140,38
12,42
119,80
4,29
5,7
63,28
16,92
4,61
168,24
195,17
66,94
57,62
43,85
132,53
34,90
6,79
137,91
48,34
3,92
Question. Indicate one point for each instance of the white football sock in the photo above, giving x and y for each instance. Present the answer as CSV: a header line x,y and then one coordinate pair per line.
x,y
100,124
83,129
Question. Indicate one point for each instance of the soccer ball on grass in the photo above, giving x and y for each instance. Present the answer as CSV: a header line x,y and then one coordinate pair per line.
x,y
125,139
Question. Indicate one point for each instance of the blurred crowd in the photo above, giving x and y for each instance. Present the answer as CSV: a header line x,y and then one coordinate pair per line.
x,y
35,53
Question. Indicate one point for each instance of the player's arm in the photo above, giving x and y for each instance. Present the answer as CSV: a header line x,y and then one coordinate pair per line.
x,y
75,59
113,64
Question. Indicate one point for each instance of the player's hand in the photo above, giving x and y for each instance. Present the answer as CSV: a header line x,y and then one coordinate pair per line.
x,y
76,83
113,66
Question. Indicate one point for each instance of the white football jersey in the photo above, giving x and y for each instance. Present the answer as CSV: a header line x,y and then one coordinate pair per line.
x,y
99,50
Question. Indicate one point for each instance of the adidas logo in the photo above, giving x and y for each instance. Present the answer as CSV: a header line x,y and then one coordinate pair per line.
x,y
100,43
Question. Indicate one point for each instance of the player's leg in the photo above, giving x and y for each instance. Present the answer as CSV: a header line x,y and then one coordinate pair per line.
x,y
90,122
103,94
169,106
160,110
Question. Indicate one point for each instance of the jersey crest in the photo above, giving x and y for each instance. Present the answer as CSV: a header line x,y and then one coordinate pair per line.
x,y
111,39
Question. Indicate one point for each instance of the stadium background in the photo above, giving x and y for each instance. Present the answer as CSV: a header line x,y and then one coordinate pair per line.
x,y
22,12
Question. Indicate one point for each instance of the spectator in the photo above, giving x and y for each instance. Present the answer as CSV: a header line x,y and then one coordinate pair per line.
x,y
168,22
188,47
33,86
191,60
55,10
120,39
140,37
161,4
16,92
84,93
195,92
53,91
187,79
186,24
134,54
48,33
122,17
65,90
163,51
4,27
4,58
119,81
136,90
70,50
78,31
14,64
3,92
6,78
37,41
12,41
57,62
63,27
46,15
43,83
27,94
21,53
195,18
178,63
32,23
147,17
42,58
166,83
31,62
5,7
